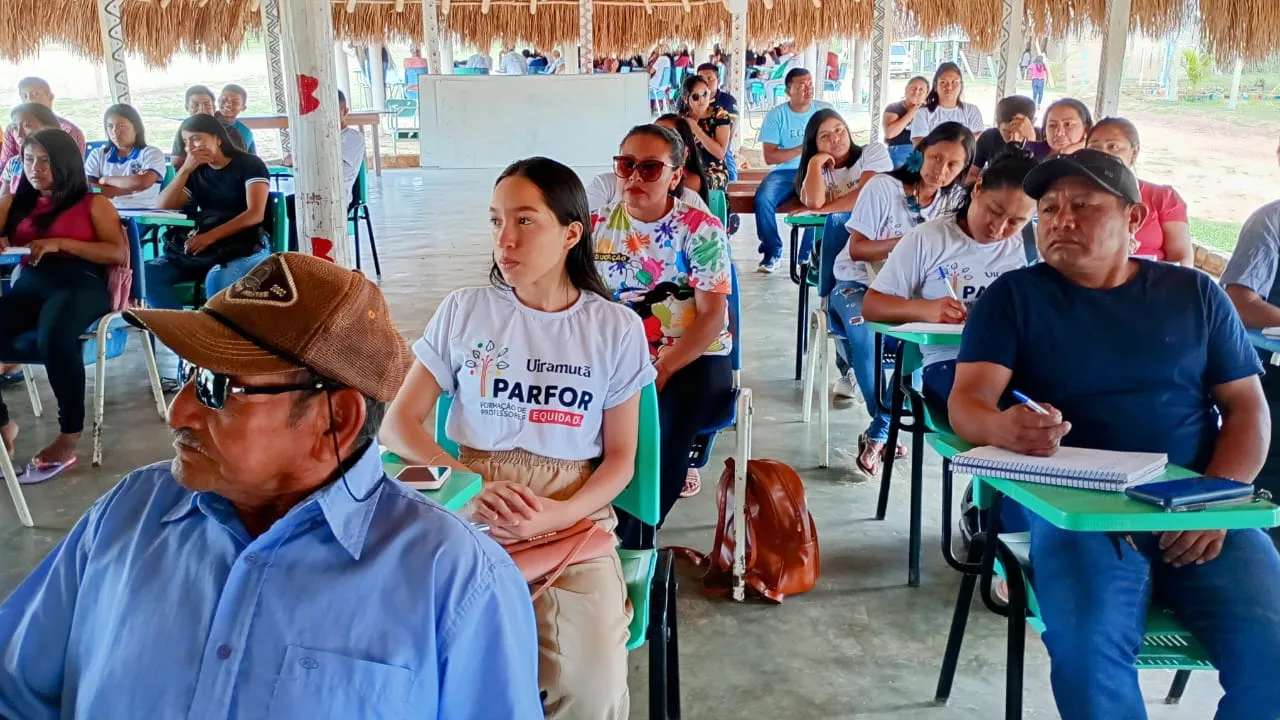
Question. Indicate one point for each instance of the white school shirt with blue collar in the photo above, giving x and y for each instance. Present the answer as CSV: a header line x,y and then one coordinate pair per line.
x,y
105,162
524,379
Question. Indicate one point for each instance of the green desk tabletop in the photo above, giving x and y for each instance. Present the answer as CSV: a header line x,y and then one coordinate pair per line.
x,y
175,221
919,338
456,492
807,219
283,170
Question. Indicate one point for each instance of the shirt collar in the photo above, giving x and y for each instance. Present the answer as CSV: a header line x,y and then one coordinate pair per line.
x,y
113,155
347,505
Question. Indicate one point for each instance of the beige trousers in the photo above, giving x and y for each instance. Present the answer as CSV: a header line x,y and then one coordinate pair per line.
x,y
583,618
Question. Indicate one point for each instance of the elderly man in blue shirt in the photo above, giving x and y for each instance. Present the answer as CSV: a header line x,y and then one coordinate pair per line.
x,y
272,569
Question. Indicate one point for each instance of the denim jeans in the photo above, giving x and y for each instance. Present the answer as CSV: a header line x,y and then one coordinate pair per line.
x,y
1037,92
859,352
899,154
776,188
1094,589
162,276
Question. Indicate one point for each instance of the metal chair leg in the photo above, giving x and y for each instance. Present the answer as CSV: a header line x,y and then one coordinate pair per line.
x,y
99,388
891,445
373,245
959,621
1017,631
824,402
658,638
33,392
15,490
1179,685
673,646
355,229
153,372
917,496
808,383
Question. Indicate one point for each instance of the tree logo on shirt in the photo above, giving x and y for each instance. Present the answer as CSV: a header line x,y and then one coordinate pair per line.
x,y
482,359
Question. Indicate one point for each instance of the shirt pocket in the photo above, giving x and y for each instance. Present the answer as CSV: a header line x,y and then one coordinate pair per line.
x,y
315,684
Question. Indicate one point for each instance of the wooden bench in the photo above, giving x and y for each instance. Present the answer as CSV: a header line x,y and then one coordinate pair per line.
x,y
742,198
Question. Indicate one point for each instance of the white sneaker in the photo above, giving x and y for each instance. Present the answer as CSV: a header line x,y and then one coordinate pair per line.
x,y
845,387
769,266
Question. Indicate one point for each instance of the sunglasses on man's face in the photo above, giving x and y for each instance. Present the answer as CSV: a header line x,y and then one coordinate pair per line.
x,y
649,170
213,388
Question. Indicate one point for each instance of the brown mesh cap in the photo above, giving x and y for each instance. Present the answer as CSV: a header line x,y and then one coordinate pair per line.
x,y
291,311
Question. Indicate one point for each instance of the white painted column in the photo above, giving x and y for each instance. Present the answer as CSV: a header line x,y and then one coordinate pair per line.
x,y
113,49
881,40
858,75
695,54
446,51
378,77
275,66
811,63
1111,67
342,68
737,80
586,37
1011,19
431,35
313,117
569,53
1235,84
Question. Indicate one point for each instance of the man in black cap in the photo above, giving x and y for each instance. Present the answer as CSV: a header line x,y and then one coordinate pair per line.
x,y
1126,355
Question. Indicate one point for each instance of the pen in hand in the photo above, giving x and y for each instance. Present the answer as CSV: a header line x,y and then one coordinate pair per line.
x,y
947,281
1032,404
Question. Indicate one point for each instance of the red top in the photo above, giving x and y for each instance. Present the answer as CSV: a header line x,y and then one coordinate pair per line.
x,y
75,223
1163,206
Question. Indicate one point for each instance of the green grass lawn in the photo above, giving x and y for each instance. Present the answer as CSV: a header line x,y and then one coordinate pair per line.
x,y
1219,235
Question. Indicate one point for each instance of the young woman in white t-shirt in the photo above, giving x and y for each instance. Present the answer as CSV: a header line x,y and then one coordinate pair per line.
x,y
944,104
832,167
545,372
888,206
127,170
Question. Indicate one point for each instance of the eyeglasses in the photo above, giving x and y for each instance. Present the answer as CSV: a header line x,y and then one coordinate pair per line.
x,y
650,170
213,388
699,96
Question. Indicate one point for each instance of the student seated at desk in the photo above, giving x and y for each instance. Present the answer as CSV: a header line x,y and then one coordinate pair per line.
x,y
225,190
127,170
888,206
1126,355
941,268
1014,124
670,262
545,372
833,167
27,119
231,103
74,237
200,101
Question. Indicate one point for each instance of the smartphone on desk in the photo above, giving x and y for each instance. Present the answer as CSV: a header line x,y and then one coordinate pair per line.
x,y
424,477
1191,493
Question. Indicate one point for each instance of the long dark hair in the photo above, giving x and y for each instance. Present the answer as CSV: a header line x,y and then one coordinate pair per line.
x,y
1007,169
128,113
811,143
211,125
565,197
673,141
1081,109
931,101
946,132
70,185
692,158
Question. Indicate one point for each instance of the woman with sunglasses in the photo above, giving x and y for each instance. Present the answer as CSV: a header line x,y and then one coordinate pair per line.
x,y
670,262
695,176
712,128
73,237
888,206
545,372
944,104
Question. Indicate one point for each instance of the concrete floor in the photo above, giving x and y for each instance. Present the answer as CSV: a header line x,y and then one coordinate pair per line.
x,y
861,645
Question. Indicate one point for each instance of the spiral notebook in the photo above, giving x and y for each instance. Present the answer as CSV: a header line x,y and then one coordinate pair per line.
x,y
1069,467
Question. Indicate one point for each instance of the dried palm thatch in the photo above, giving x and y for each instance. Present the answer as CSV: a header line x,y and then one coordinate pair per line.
x,y
25,24
807,21
549,25
627,28
1249,28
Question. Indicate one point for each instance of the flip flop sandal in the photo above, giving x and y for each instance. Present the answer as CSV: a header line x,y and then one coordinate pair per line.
x,y
864,449
41,472
899,452
692,484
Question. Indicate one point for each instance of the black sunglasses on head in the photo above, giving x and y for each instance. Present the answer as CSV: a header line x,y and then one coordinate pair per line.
x,y
650,170
213,388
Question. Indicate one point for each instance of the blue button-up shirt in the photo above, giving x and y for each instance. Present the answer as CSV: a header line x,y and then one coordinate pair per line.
x,y
159,604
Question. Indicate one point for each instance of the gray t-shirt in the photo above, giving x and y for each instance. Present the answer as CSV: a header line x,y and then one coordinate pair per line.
x,y
1257,255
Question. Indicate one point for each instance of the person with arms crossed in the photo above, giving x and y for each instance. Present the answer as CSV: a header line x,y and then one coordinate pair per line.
x,y
324,588
898,117
127,170
782,136
1126,355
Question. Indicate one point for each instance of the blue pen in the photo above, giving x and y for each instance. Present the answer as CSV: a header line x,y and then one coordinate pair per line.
x,y
1039,410
947,281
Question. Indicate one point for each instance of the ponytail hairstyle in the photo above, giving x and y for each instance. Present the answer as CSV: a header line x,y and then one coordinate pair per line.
x,y
1007,169
692,157
566,198
673,141
931,101
811,143
909,173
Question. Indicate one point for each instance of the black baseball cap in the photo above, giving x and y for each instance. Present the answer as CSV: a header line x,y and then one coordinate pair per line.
x,y
1105,171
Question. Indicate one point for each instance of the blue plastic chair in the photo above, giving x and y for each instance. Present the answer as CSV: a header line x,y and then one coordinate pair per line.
x,y
102,341
728,413
92,145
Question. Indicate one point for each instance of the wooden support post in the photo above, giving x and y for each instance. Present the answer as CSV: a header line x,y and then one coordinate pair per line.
x,y
1011,19
586,37
1111,68
737,69
431,35
113,49
275,66
857,59
881,41
321,199
446,51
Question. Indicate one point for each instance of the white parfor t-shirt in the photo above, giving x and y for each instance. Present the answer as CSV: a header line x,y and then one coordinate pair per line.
x,y
881,213
911,271
844,180
352,159
602,190
531,380
104,162
926,120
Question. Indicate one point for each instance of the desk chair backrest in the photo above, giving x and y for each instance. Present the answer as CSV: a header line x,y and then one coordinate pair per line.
x,y
735,320
92,145
169,174
640,497
831,249
360,191
718,204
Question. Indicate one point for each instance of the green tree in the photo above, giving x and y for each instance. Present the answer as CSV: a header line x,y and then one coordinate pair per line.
x,y
1197,65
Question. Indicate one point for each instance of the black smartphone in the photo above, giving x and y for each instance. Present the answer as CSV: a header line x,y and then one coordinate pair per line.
x,y
1191,493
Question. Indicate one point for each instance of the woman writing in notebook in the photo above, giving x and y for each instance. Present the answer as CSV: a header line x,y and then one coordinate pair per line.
x,y
545,372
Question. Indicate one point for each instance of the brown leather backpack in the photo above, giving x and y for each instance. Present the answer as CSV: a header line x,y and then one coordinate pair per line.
x,y
782,541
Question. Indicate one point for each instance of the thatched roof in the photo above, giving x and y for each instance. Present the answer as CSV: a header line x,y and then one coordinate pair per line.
x,y
156,29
